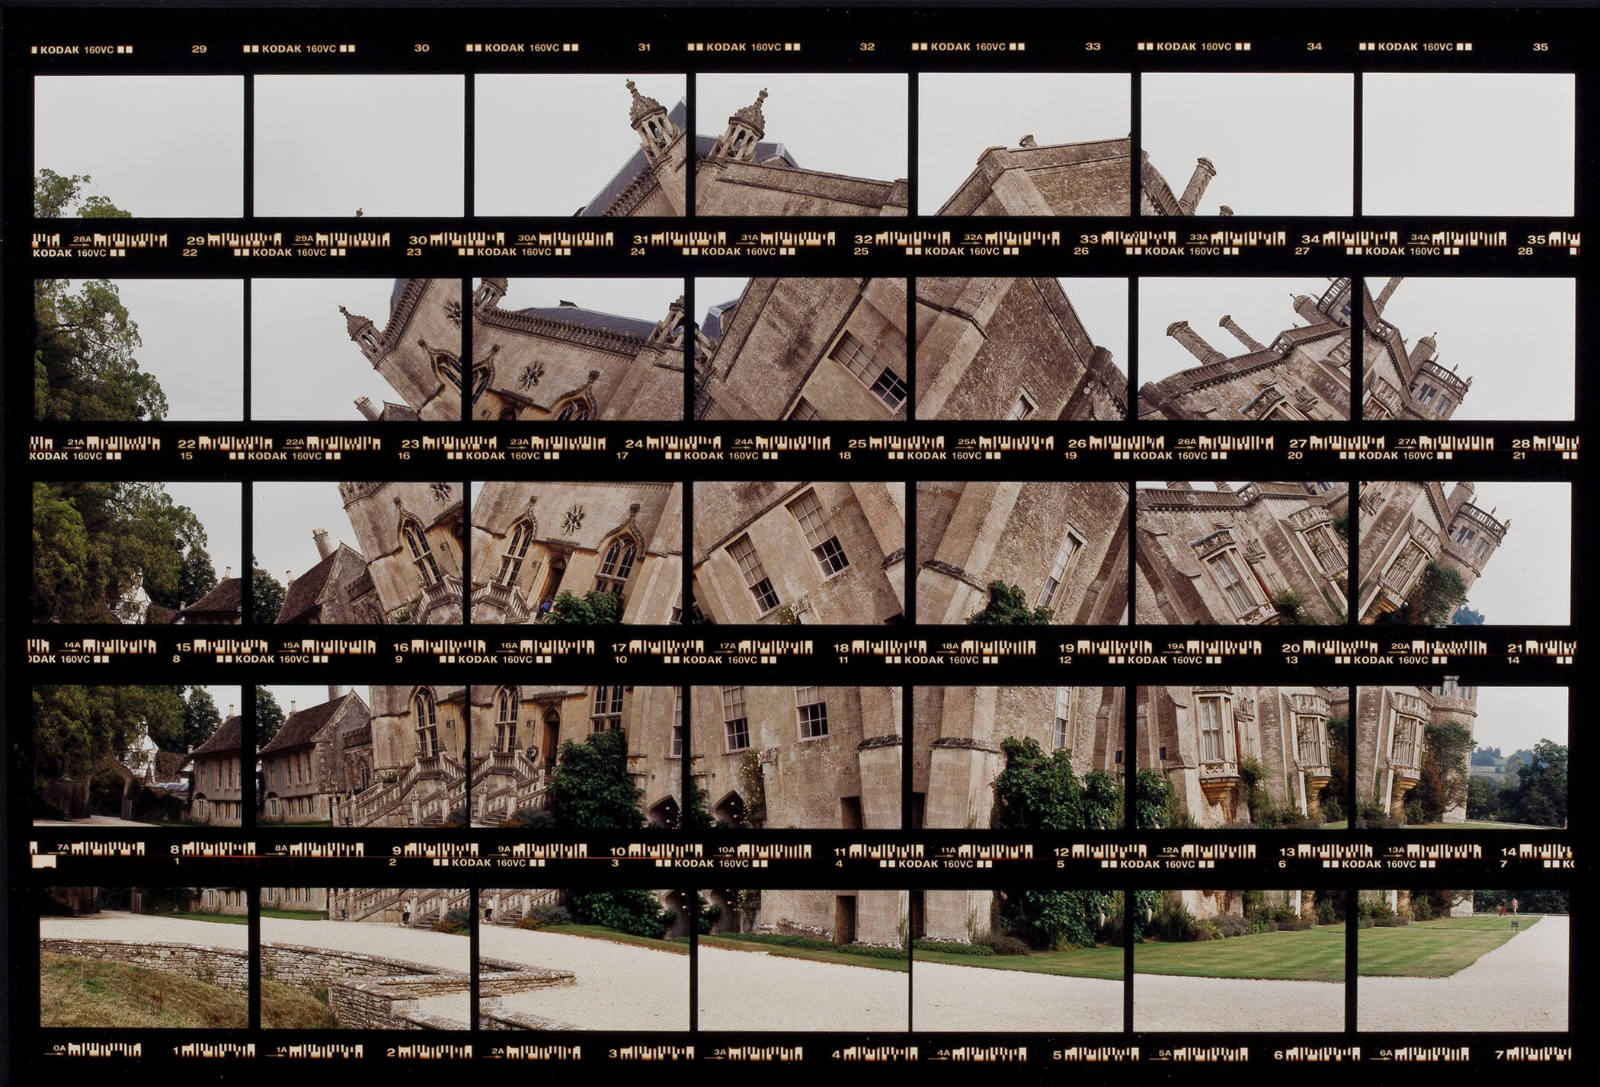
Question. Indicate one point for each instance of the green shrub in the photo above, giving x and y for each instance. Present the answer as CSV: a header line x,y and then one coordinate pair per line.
x,y
632,911
540,916
1004,944
1332,809
1230,924
1206,930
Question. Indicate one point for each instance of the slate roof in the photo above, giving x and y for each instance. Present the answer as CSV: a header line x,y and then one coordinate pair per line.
x,y
224,741
300,600
225,598
713,324
302,726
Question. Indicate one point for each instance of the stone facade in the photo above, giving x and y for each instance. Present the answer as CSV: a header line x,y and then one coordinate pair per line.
x,y
824,552
222,966
304,768
1065,545
1265,553
518,730
1391,739
1303,375
1401,383
418,351
1408,526
957,757
533,541
806,349
1090,177
216,791
992,348
1199,737
406,569
567,364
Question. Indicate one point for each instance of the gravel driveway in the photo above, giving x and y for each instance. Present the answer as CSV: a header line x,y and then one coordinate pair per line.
x,y
1520,985
618,986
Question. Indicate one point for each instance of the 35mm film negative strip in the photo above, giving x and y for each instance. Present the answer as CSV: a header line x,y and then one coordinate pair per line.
x,y
460,627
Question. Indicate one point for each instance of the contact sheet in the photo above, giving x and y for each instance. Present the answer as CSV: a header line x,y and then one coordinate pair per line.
x,y
511,558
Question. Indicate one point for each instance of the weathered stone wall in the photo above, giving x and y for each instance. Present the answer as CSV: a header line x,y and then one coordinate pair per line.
x,y
749,188
224,966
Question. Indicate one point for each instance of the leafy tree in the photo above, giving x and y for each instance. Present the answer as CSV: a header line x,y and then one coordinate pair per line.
x,y
1434,600
269,717
1338,787
1483,801
1152,799
1528,901
200,717
1443,779
1467,617
1486,756
266,595
592,789
83,360
196,577
1008,606
57,196
93,540
1037,792
76,729
1540,794
592,608
697,816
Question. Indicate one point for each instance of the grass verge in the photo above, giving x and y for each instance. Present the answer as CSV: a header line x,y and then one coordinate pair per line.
x,y
677,945
838,954
76,992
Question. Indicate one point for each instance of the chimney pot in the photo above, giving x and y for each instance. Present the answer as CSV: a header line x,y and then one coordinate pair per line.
x,y
324,545
1194,343
1240,334
1203,173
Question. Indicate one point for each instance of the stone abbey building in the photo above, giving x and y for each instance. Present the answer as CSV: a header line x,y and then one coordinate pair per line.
x,y
1303,375
560,363
1263,553
793,553
1065,545
1408,528
805,349
531,542
1016,349
1401,383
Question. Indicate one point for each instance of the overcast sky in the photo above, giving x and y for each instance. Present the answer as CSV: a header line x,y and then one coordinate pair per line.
x,y
285,516
547,144
1467,144
1282,143
192,333
853,124
1260,305
1514,718
1515,338
154,145
386,144
1529,578
961,114
641,299
303,363
221,513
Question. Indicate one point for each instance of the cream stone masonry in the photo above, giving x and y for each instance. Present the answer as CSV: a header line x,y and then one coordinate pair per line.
x,y
1406,526
1261,554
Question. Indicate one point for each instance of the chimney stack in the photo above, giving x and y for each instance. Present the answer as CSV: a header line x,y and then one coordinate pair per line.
x,y
1224,210
1194,344
291,707
337,691
1240,334
1426,348
324,545
365,405
227,572
1203,173
1387,292
1028,141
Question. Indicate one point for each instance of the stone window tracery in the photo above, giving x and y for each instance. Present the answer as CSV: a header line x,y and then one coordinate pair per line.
x,y
426,710
616,566
505,728
516,551
421,554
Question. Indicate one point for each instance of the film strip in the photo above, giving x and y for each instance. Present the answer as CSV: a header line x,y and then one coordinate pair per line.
x,y
509,727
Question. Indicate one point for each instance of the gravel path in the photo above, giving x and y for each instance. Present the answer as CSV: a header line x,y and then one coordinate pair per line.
x,y
1163,1002
974,998
752,990
1520,985
618,987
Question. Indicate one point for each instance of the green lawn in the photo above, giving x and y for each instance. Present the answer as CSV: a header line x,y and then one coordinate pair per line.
x,y
1433,949
296,915
840,957
218,918
677,945
1080,962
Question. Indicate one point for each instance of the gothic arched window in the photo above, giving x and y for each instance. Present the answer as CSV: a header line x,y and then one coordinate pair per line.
x,y
616,565
575,410
448,367
505,727
516,551
426,708
421,553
